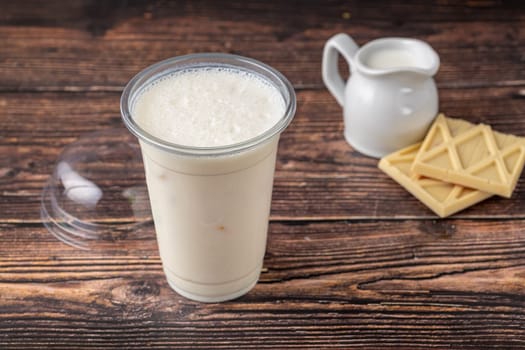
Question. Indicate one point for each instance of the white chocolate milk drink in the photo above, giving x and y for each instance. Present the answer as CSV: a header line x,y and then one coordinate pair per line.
x,y
209,126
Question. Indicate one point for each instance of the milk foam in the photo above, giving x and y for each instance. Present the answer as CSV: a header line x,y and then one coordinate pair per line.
x,y
208,107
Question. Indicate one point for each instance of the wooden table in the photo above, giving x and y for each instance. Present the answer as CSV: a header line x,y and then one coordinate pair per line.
x,y
353,260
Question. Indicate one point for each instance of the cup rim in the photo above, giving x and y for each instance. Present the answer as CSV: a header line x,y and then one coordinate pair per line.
x,y
201,60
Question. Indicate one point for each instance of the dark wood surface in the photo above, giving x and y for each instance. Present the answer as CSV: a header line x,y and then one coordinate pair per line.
x,y
353,261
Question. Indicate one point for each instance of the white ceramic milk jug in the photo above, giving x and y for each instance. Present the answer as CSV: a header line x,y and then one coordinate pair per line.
x,y
390,98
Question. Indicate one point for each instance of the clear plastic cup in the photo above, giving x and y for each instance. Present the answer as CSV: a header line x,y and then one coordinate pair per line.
x,y
210,205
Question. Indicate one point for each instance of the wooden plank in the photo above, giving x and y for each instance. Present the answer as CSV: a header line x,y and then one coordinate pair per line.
x,y
54,64
318,175
58,47
84,14
416,284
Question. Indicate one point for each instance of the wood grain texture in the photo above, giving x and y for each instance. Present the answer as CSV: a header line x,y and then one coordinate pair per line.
x,y
86,45
329,285
353,261
318,174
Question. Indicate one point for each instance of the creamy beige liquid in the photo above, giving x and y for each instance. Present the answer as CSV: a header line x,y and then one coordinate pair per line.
x,y
211,213
391,58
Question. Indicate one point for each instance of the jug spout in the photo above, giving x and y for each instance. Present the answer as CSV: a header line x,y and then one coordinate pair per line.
x,y
397,55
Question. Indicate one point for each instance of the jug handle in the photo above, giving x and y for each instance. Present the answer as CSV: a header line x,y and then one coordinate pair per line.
x,y
346,46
